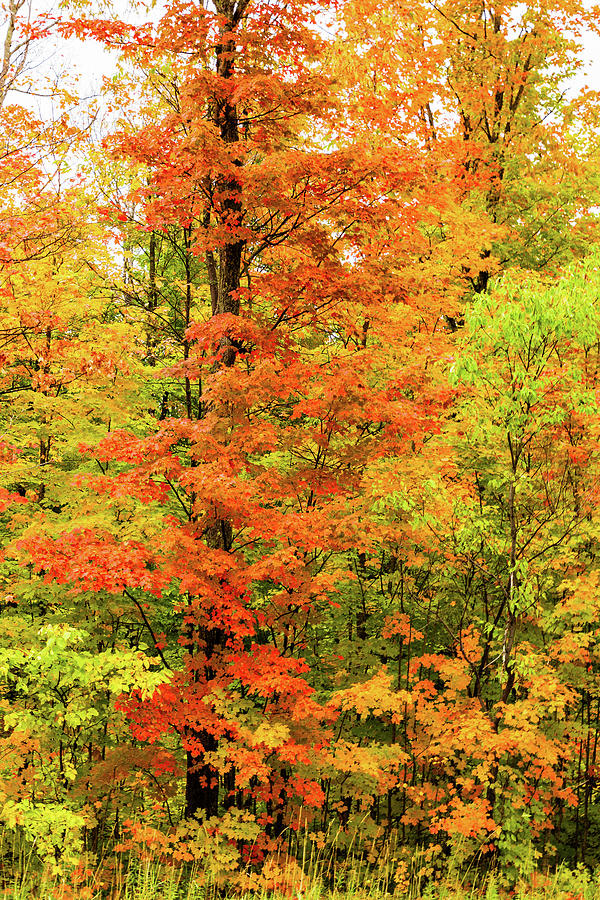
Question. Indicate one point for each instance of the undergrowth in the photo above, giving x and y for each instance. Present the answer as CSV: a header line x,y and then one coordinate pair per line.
x,y
314,871
151,880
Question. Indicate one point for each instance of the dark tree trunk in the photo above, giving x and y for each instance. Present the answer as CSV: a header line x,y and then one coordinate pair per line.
x,y
202,781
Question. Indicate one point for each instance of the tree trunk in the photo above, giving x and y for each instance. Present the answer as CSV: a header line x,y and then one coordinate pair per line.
x,y
202,781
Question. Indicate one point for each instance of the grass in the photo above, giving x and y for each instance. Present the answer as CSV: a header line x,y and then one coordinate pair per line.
x,y
150,880
317,870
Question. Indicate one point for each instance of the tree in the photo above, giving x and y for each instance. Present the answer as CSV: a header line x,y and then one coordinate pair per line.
x,y
488,650
66,377
289,362
482,89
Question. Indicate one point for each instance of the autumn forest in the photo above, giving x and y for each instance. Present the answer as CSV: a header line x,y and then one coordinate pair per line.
x,y
300,443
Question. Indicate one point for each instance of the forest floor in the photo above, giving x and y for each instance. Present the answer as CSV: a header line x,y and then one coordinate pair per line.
x,y
153,883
